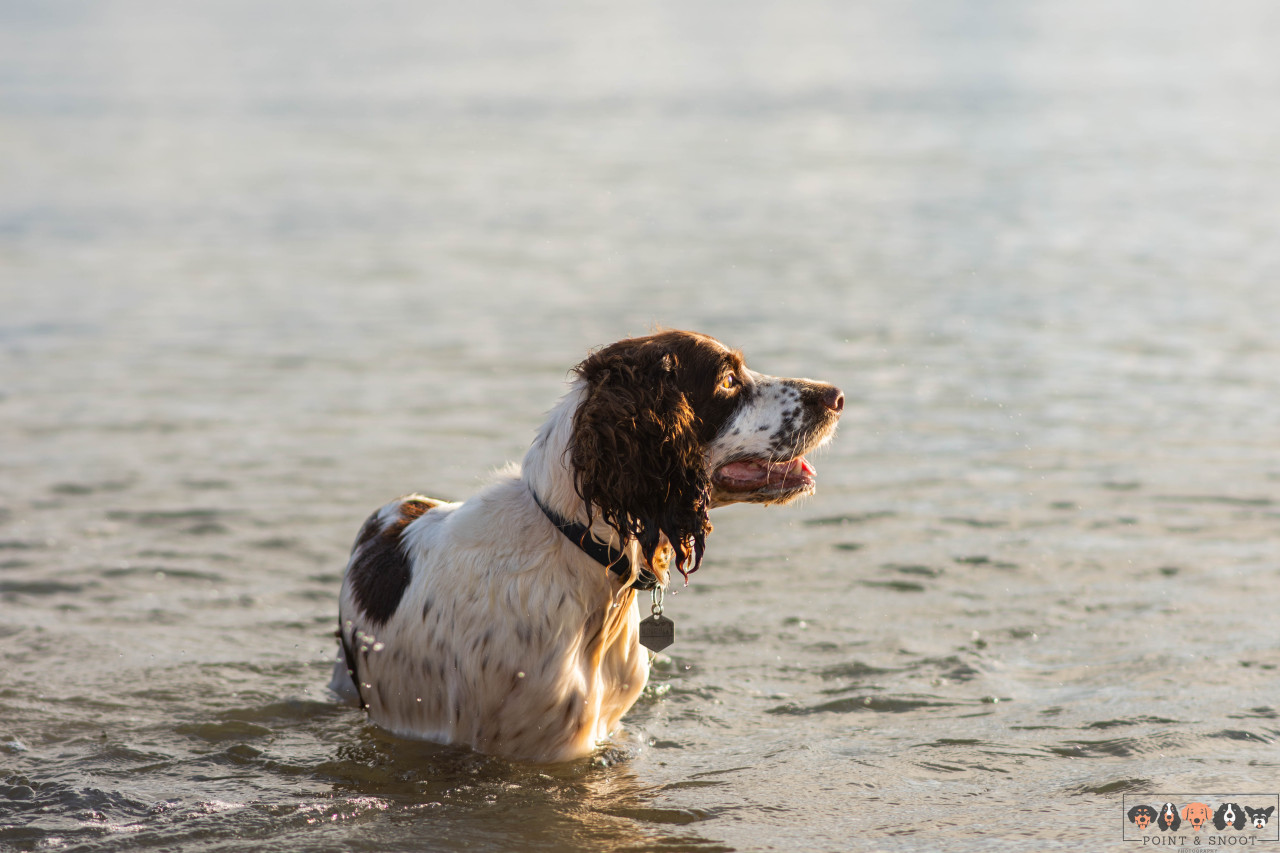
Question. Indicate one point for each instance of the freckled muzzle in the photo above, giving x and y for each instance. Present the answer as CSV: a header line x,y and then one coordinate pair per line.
x,y
787,419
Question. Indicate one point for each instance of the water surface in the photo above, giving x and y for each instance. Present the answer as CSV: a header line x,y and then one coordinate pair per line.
x,y
264,268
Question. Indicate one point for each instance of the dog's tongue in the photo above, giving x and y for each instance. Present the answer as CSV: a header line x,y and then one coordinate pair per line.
x,y
752,473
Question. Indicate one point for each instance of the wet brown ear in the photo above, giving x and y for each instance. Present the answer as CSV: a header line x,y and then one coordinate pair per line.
x,y
635,451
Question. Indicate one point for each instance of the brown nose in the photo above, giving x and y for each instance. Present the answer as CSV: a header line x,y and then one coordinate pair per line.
x,y
833,399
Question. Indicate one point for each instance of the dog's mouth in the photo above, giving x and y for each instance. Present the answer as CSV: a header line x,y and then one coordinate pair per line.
x,y
764,480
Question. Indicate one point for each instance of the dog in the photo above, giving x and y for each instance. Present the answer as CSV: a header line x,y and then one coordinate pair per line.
x,y
509,623
1259,817
1196,814
1229,815
1143,816
1169,820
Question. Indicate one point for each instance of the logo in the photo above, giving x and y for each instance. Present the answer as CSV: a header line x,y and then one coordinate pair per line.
x,y
1197,821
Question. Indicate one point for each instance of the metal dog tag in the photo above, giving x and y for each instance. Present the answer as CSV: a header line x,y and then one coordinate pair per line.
x,y
657,632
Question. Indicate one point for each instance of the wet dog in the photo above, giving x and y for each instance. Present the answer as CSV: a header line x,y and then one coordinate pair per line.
x,y
509,623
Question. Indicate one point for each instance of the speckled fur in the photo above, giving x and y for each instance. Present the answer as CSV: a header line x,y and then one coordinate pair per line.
x,y
480,624
774,420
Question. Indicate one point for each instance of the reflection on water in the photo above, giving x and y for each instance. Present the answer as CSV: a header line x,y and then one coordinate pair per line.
x,y
262,269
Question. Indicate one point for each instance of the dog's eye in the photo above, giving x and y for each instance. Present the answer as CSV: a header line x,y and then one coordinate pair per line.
x,y
729,382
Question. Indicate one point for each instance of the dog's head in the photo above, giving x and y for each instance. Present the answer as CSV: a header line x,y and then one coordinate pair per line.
x,y
1142,816
1259,817
1196,814
673,423
1229,814
1169,819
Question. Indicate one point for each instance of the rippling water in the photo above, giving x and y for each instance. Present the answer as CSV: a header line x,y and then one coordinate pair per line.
x,y
263,267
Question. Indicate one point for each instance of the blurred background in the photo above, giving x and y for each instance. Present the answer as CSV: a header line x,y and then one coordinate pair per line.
x,y
265,266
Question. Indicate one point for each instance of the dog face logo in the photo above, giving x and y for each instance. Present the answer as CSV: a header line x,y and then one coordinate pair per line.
x,y
1259,817
1196,814
1229,815
1210,817
1142,816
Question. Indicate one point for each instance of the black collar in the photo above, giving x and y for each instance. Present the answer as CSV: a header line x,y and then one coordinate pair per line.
x,y
606,555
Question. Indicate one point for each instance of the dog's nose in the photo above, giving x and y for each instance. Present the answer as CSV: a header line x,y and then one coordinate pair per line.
x,y
833,399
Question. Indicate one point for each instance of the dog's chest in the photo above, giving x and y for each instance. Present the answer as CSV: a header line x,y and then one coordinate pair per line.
x,y
541,683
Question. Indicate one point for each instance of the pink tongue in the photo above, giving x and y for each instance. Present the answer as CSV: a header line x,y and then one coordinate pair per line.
x,y
759,471
743,471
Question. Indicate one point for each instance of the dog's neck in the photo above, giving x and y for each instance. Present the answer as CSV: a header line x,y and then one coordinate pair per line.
x,y
546,470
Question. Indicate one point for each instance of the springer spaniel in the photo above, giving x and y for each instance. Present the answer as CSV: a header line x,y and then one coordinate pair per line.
x,y
509,623
1169,819
1229,815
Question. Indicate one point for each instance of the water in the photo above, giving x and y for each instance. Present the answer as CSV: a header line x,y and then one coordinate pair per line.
x,y
263,268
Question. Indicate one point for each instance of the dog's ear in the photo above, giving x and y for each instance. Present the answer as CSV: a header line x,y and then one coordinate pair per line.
x,y
635,450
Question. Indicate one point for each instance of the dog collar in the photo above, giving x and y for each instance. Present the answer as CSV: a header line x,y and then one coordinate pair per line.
x,y
606,555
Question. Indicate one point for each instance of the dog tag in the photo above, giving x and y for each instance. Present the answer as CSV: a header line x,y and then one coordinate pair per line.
x,y
657,632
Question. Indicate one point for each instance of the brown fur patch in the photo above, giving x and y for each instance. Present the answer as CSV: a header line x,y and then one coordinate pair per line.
x,y
372,527
416,508
652,404
379,570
